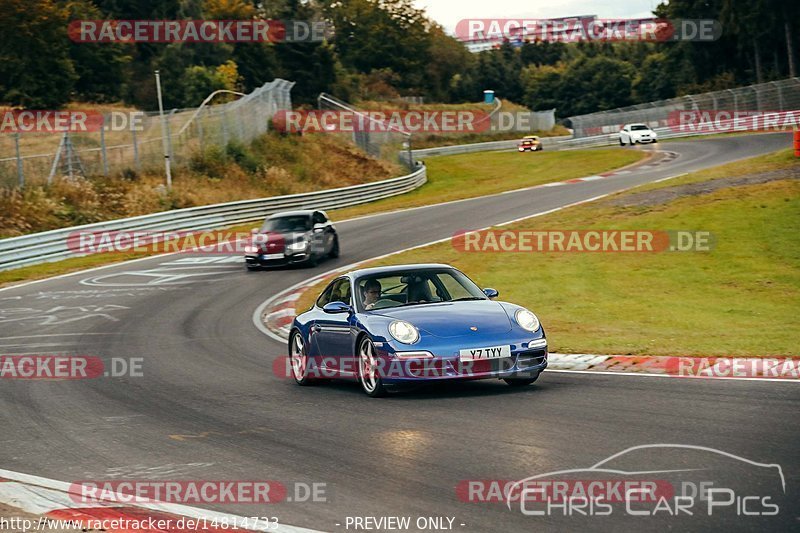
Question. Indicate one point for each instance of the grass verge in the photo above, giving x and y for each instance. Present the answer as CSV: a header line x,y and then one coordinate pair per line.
x,y
740,299
455,177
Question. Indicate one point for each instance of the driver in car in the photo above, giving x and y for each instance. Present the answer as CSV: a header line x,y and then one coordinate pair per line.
x,y
372,292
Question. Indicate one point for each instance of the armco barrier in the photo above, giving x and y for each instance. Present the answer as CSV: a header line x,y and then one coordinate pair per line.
x,y
547,142
47,246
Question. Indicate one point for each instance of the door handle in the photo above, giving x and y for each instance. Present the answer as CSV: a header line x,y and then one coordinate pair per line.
x,y
315,328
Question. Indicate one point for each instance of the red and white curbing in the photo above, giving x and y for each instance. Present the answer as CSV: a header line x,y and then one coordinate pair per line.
x,y
665,158
279,312
761,368
55,500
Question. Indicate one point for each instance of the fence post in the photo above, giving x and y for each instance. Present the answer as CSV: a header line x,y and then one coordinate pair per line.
x,y
20,174
200,133
136,162
224,127
68,150
780,95
56,159
169,135
103,146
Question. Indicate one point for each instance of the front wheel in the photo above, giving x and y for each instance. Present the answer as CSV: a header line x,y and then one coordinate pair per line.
x,y
334,253
369,370
299,360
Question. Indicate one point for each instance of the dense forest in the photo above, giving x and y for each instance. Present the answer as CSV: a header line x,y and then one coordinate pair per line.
x,y
381,49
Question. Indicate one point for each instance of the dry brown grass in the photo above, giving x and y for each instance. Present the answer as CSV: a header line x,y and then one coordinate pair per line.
x,y
271,165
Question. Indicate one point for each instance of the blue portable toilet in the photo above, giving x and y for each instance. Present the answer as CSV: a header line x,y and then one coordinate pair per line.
x,y
488,96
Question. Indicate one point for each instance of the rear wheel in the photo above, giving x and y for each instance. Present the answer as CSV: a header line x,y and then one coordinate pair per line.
x,y
368,370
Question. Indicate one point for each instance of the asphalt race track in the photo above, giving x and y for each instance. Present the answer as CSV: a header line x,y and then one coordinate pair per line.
x,y
208,405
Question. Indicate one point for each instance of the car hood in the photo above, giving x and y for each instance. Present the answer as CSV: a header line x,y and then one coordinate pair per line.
x,y
451,319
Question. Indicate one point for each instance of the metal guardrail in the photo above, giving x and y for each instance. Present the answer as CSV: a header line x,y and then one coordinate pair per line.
x,y
551,142
52,245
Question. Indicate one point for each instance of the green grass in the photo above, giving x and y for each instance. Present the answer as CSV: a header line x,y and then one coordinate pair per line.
x,y
740,299
456,177
773,161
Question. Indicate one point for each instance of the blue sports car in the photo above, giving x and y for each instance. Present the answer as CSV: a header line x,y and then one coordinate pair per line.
x,y
390,327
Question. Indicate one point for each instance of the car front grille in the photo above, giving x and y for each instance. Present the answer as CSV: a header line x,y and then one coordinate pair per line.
x,y
531,358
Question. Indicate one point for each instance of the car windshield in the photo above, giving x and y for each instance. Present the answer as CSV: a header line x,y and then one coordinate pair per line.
x,y
287,224
415,287
639,127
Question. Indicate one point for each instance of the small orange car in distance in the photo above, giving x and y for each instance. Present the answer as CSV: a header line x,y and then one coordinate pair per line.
x,y
530,143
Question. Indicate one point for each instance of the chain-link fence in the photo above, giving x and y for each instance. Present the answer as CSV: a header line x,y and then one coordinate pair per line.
x,y
774,96
376,138
384,139
38,157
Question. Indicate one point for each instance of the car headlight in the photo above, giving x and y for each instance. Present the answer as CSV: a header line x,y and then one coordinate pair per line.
x,y
298,246
404,332
250,249
526,320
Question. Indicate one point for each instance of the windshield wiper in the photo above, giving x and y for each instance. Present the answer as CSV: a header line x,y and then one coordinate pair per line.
x,y
467,298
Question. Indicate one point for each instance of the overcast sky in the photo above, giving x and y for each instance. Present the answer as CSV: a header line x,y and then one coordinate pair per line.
x,y
449,12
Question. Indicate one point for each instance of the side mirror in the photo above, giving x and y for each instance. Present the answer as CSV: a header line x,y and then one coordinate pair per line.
x,y
491,293
337,307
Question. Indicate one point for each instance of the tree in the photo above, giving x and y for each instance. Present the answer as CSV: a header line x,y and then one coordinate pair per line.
x,y
99,66
381,34
543,86
595,84
35,67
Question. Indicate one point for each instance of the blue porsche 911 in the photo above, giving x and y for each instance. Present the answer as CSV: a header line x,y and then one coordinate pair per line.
x,y
390,327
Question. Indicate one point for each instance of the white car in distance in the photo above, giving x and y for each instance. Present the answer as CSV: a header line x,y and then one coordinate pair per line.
x,y
637,133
